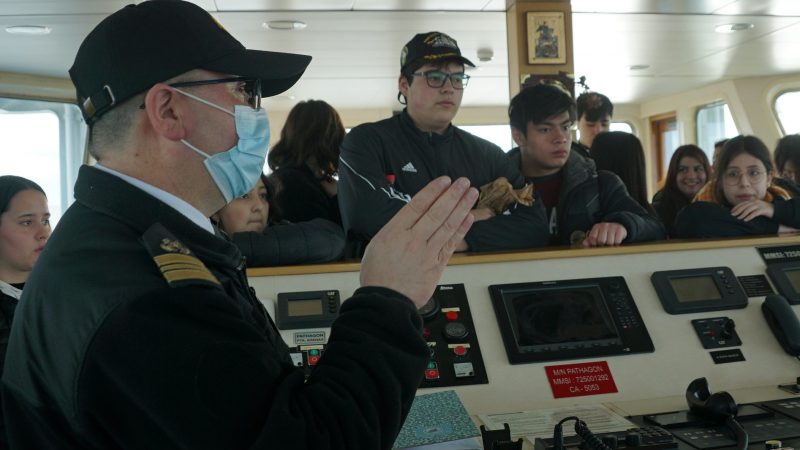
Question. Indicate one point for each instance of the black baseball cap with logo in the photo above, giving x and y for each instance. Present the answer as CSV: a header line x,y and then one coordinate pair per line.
x,y
432,46
141,45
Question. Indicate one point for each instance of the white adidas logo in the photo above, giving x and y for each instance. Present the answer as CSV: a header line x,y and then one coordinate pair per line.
x,y
409,168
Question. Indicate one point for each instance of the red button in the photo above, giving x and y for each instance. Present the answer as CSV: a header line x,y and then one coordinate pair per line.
x,y
313,360
432,374
451,315
426,333
460,350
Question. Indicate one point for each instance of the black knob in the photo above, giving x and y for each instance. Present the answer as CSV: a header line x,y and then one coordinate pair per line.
x,y
728,328
455,331
429,310
633,440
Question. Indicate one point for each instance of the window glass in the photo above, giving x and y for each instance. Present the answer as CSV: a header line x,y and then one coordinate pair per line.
x,y
613,126
621,126
497,134
43,141
714,122
787,108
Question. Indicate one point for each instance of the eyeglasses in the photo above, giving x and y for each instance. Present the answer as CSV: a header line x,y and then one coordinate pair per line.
x,y
437,78
732,177
249,87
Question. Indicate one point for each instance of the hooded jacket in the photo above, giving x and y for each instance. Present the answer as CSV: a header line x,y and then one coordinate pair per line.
x,y
588,196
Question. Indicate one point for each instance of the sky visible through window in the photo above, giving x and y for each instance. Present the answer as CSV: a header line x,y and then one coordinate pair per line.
x,y
787,108
29,147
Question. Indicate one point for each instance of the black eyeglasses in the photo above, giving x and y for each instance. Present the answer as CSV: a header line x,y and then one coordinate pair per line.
x,y
437,78
249,87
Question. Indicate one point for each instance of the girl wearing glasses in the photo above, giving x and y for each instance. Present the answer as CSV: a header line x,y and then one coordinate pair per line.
x,y
741,198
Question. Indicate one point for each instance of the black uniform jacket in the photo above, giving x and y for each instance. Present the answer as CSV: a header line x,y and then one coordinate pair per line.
x,y
7,306
375,153
137,330
590,196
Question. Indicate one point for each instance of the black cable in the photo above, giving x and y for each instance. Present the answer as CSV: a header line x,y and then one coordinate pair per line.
x,y
591,441
742,438
582,430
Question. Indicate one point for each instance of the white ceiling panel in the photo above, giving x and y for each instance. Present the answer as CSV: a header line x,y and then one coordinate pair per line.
x,y
356,52
421,5
50,7
495,5
652,6
771,7
284,5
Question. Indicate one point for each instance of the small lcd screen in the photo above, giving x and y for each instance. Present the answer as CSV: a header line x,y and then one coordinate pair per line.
x,y
794,278
695,289
299,308
544,317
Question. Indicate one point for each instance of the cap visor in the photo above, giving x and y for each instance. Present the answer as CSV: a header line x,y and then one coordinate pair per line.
x,y
277,71
467,62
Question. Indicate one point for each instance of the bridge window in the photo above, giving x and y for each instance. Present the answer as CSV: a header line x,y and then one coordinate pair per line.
x,y
497,134
614,126
43,141
621,126
501,134
787,109
714,122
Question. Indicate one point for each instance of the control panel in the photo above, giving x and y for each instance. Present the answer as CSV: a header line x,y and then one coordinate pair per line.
x,y
644,438
448,328
763,421
455,355
716,332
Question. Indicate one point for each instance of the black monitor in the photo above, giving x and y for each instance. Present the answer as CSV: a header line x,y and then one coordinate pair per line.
x,y
569,319
698,290
786,278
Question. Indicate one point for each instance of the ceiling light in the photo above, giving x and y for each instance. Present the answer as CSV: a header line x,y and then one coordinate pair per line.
x,y
638,67
485,54
733,27
284,25
30,30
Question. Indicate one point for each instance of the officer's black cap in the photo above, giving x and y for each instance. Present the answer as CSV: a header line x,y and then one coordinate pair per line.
x,y
141,45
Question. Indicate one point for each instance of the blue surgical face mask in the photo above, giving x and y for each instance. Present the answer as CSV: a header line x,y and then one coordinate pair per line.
x,y
236,171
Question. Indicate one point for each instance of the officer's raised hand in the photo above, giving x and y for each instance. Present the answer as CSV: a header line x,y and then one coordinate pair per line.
x,y
410,252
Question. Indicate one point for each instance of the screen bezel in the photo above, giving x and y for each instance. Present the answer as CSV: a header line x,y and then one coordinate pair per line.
x,y
614,293
732,296
600,303
329,302
777,273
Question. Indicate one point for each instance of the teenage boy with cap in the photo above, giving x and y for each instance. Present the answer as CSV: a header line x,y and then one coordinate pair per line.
x,y
137,329
386,162
585,206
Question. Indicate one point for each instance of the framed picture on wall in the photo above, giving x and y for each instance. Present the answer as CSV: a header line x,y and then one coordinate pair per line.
x,y
546,41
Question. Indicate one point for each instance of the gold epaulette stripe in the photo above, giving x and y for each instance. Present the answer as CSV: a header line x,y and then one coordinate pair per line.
x,y
173,258
180,275
179,267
